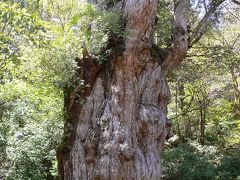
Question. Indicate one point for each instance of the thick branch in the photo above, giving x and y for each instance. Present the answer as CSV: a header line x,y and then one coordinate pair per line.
x,y
179,45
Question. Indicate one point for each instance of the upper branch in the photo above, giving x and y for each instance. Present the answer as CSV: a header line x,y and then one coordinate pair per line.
x,y
179,44
203,24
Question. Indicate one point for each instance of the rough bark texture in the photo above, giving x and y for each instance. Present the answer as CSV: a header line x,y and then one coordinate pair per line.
x,y
119,130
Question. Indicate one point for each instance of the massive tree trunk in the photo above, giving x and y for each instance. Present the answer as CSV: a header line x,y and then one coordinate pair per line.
x,y
119,129
117,126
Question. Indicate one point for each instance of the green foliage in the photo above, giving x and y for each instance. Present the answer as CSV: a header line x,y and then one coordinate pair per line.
x,y
31,120
96,27
229,166
209,77
33,128
193,161
185,162
163,29
18,27
206,87
108,23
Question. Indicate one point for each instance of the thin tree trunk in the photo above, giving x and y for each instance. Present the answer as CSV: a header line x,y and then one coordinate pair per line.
x,y
236,94
203,111
118,131
182,105
176,109
202,126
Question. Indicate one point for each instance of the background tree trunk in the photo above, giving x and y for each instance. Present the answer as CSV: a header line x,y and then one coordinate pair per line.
x,y
118,132
236,94
202,124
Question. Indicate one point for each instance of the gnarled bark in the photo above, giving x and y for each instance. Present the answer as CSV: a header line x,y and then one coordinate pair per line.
x,y
119,130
